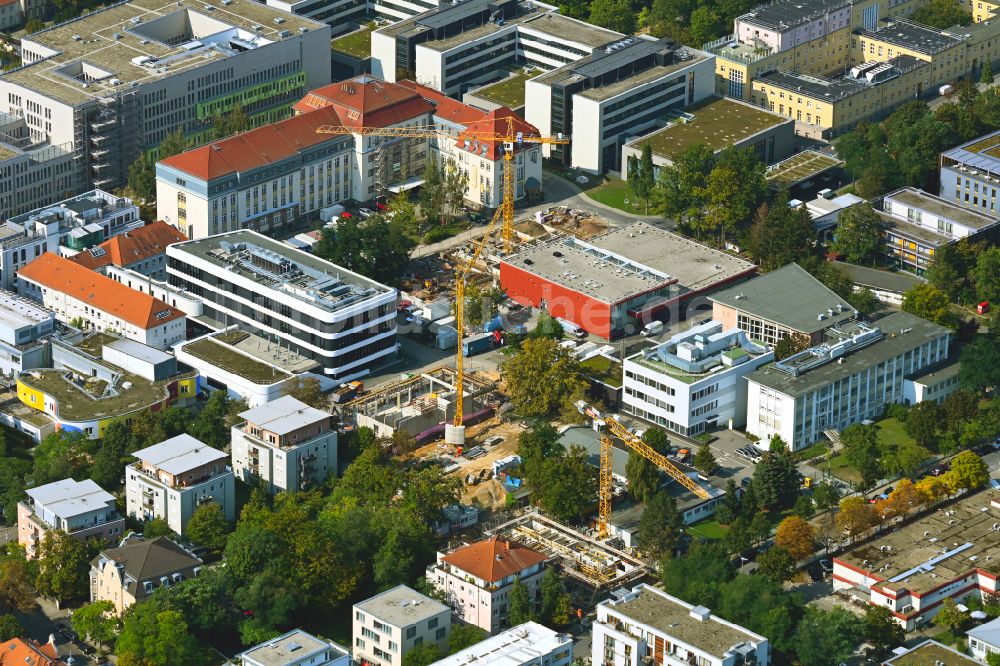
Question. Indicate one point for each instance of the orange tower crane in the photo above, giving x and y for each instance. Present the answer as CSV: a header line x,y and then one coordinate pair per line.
x,y
509,139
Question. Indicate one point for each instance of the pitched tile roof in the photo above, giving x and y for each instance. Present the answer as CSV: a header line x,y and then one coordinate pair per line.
x,y
148,559
495,122
256,148
30,653
131,247
445,107
62,275
365,101
493,559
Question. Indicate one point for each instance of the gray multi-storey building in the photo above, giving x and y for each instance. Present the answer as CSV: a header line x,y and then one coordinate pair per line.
x,y
970,174
112,84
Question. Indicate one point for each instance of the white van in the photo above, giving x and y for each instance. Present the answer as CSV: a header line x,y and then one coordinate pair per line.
x,y
652,328
570,328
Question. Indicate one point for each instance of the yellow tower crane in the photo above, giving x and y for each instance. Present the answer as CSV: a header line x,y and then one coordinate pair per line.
x,y
609,427
510,138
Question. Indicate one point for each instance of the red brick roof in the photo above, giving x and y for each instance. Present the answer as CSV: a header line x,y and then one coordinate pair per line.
x,y
16,652
62,275
445,107
256,148
131,247
365,101
493,560
495,122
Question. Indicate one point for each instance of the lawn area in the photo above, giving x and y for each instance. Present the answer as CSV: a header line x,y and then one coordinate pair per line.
x,y
709,529
893,431
357,43
603,369
613,192
510,91
813,451
843,470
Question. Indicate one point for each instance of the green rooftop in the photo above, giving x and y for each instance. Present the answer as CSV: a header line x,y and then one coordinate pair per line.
x,y
603,369
734,353
230,360
94,344
717,125
510,91
800,167
357,43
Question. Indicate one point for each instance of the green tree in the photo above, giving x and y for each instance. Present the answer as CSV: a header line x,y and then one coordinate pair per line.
x,y
969,470
727,511
986,73
659,526
432,194
62,455
16,592
862,450
309,391
63,567
233,122
141,178
208,527
732,193
10,627
921,423
657,438
543,379
154,637
613,14
775,480
422,655
155,528
804,507
930,303
776,564
535,446
646,175
378,248
826,495
568,485
521,608
881,629
704,461
993,659
950,616
680,189
947,271
643,477
97,622
696,577
780,234
759,529
463,636
980,365
705,25
827,637
761,605
555,607
33,26
857,236
941,14
987,275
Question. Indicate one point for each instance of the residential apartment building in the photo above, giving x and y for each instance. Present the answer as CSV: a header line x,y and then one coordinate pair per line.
x,y
23,329
775,305
929,652
295,648
693,382
17,652
341,320
460,46
970,175
645,624
476,579
133,571
616,92
98,379
917,224
98,303
482,161
857,371
381,165
528,644
142,250
284,445
81,509
267,179
173,478
389,625
67,227
941,555
113,83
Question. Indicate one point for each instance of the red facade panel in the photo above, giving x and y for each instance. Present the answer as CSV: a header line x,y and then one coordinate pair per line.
x,y
526,288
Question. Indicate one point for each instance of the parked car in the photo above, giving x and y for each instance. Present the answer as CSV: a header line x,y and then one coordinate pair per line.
x,y
365,212
826,565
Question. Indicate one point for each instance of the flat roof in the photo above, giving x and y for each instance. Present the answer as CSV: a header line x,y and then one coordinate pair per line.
x,y
875,279
981,153
402,606
291,648
629,260
545,22
704,346
915,232
718,124
800,167
179,454
786,14
68,498
110,40
284,415
17,312
508,92
913,36
834,90
282,271
936,373
789,296
670,615
357,43
934,549
903,332
928,203
224,357
526,643
139,351
931,653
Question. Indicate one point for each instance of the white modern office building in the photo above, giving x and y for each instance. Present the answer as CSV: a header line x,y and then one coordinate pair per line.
x,y
623,89
646,625
81,509
295,648
528,644
695,380
114,82
853,375
284,445
23,326
173,478
343,321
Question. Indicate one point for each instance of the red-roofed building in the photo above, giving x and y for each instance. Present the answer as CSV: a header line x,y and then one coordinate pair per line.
x,y
481,161
17,652
76,293
382,165
143,250
263,180
476,579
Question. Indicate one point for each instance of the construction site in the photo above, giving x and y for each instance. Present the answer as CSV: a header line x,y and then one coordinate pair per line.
x,y
593,567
